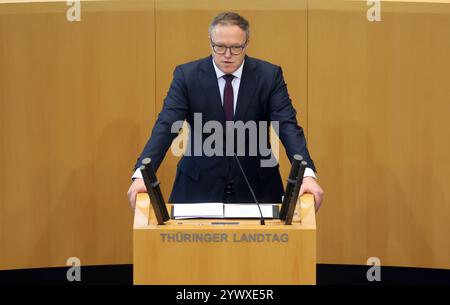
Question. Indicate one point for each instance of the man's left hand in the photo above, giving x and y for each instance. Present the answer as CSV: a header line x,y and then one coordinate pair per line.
x,y
311,186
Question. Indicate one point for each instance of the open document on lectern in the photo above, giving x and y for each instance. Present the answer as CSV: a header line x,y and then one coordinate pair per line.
x,y
221,210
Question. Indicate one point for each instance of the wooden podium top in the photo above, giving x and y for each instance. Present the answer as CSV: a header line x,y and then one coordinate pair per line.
x,y
144,209
243,253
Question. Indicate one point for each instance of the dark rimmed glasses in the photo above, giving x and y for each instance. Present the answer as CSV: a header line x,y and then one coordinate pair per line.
x,y
234,50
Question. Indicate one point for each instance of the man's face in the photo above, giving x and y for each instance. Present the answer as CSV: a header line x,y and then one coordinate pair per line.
x,y
228,36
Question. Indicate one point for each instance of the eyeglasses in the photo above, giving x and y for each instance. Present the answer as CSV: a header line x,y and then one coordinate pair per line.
x,y
234,50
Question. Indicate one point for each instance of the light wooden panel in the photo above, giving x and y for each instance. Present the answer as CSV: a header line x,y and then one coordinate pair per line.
x,y
379,129
77,100
278,35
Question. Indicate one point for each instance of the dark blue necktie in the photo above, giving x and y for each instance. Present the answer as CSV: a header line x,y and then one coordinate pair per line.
x,y
228,98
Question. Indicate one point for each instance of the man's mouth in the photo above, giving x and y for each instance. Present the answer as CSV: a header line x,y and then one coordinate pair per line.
x,y
227,62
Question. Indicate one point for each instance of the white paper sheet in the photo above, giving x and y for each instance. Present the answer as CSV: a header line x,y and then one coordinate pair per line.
x,y
248,210
198,210
220,210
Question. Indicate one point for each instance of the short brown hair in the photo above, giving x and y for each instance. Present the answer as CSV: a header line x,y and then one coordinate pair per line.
x,y
230,18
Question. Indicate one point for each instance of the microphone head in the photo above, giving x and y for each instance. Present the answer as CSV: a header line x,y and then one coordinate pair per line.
x,y
298,157
146,161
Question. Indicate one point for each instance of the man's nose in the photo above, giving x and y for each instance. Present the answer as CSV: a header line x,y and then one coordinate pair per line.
x,y
228,53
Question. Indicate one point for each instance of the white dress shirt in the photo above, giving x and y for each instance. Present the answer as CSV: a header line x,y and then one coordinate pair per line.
x,y
235,83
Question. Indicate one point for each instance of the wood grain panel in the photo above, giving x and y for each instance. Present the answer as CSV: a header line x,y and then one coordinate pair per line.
x,y
76,102
378,107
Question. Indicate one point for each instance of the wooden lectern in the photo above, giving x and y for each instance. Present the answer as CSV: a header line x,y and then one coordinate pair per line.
x,y
224,251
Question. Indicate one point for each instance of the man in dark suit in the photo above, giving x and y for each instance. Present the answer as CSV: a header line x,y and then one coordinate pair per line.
x,y
226,88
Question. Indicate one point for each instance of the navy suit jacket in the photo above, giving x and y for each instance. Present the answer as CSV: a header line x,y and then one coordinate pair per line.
x,y
262,96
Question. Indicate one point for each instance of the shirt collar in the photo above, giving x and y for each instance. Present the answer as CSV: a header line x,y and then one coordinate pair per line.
x,y
237,73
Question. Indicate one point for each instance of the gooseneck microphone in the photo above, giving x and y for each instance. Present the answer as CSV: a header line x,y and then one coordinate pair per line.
x,y
251,190
295,193
290,184
154,191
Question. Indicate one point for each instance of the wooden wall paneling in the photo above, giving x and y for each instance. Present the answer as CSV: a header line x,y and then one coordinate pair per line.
x,y
378,106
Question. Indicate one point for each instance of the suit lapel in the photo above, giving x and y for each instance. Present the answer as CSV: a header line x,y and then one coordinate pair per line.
x,y
208,81
247,87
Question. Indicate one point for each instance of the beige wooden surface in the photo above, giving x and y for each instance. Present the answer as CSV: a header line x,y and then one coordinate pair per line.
x,y
232,262
76,103
378,96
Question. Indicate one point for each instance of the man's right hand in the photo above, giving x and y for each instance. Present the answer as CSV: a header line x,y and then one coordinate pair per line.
x,y
136,187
